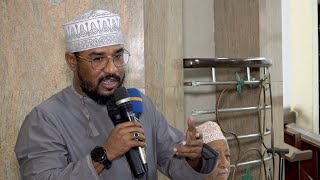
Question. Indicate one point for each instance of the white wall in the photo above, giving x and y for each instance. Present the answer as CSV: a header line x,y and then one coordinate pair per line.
x,y
300,58
286,50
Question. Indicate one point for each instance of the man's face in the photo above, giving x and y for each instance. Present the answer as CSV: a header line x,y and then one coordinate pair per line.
x,y
222,169
99,85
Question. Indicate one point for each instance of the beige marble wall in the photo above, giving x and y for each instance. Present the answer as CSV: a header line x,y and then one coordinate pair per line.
x,y
32,65
271,46
163,59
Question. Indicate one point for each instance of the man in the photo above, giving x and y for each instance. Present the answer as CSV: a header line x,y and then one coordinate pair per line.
x,y
71,136
213,136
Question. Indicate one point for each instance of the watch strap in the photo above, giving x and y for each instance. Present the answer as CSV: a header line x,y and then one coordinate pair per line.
x,y
105,161
99,154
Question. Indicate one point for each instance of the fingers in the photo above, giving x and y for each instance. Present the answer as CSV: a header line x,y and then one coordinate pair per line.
x,y
191,125
190,144
191,150
137,136
130,131
192,133
123,137
191,147
137,143
131,137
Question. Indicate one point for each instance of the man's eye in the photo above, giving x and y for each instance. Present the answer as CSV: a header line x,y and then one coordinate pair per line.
x,y
97,59
118,56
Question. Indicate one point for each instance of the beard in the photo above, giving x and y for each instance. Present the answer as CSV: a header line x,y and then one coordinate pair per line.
x,y
92,91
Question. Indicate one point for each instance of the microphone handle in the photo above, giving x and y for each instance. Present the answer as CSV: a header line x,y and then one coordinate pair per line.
x,y
142,153
135,162
143,158
136,156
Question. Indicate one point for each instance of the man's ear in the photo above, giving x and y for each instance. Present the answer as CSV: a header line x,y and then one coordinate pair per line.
x,y
71,60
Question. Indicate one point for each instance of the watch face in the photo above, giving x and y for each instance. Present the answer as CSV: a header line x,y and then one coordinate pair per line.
x,y
97,153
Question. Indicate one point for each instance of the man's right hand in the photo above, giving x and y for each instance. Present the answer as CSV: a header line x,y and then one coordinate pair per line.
x,y
121,139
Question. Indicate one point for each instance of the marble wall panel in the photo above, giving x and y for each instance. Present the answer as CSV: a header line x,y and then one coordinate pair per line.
x,y
163,55
236,28
271,47
163,59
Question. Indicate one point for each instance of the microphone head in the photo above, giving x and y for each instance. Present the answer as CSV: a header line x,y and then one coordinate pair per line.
x,y
111,105
136,101
121,95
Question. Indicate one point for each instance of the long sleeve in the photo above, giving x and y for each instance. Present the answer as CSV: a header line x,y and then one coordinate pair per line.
x,y
42,152
167,138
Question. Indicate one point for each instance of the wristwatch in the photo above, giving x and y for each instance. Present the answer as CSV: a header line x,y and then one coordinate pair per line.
x,y
98,154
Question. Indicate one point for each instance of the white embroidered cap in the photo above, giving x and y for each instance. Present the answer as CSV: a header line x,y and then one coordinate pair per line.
x,y
95,28
211,131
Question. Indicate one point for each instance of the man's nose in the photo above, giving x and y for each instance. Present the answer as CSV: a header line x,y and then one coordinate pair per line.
x,y
223,162
110,67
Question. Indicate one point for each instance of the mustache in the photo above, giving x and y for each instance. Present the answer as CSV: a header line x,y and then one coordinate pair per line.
x,y
110,76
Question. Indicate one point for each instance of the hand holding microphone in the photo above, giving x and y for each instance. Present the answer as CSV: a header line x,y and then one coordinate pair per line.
x,y
121,139
127,128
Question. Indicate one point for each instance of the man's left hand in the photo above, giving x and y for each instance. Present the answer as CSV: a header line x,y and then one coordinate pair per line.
x,y
191,147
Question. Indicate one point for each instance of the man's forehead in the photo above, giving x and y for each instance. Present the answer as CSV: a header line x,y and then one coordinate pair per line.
x,y
219,144
109,50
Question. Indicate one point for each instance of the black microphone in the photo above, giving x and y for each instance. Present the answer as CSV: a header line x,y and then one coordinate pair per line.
x,y
120,110
137,109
